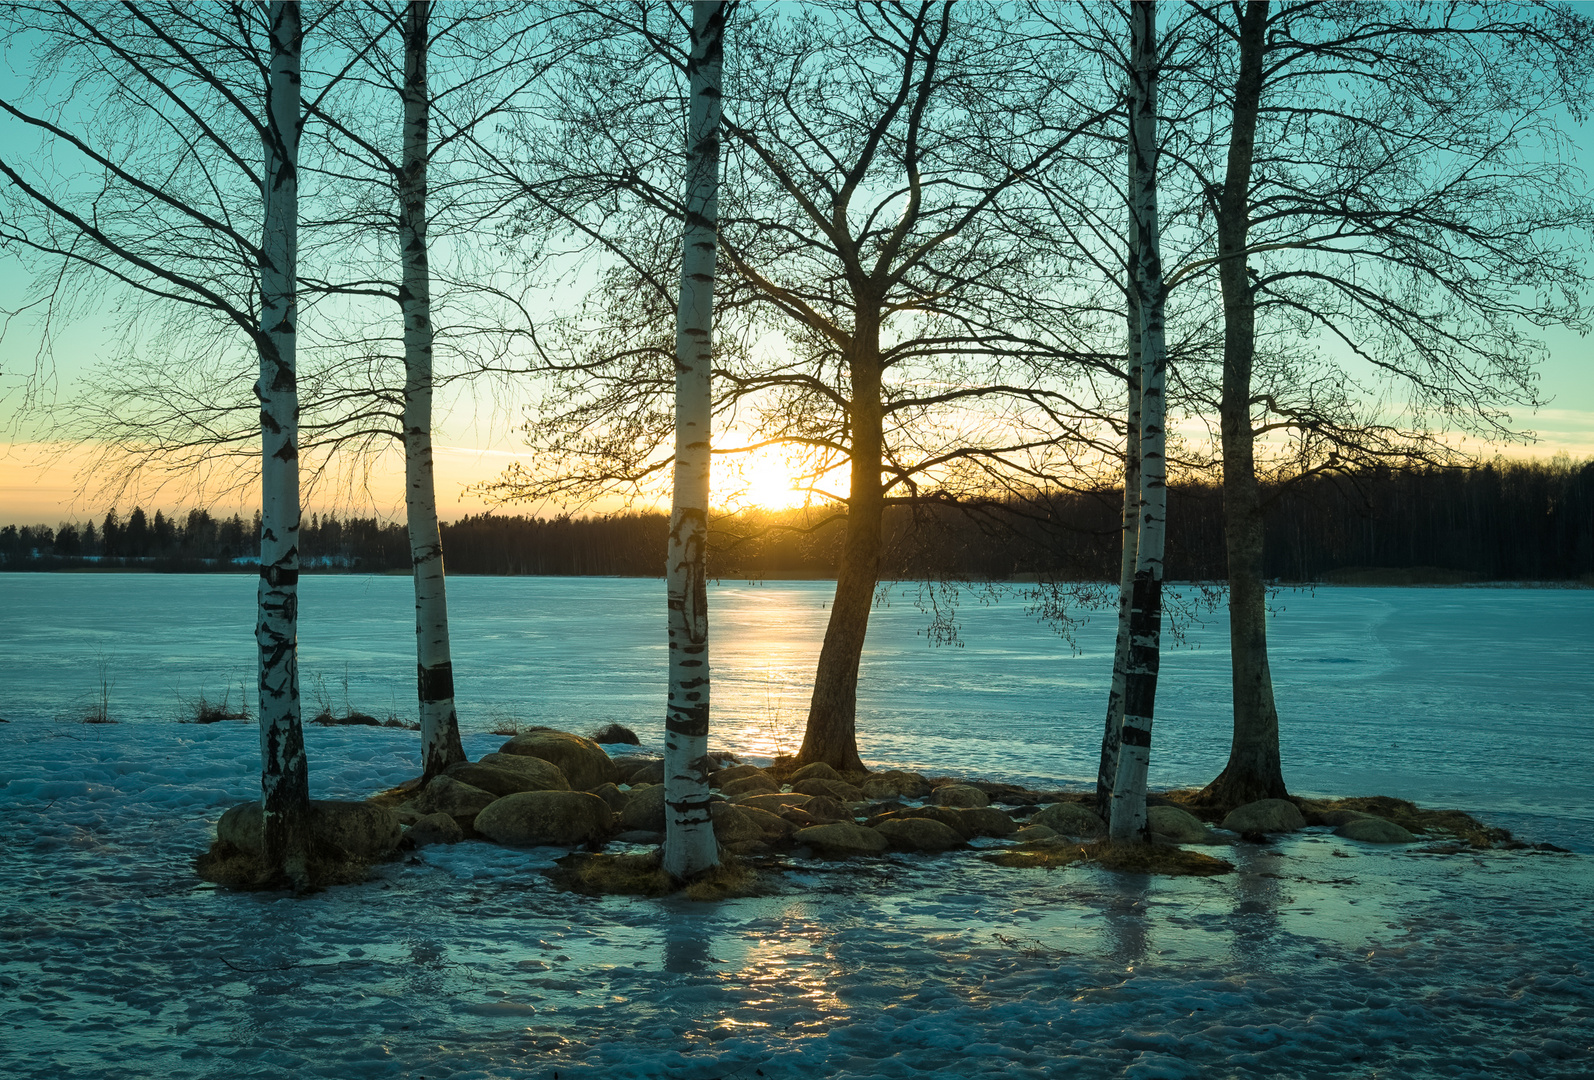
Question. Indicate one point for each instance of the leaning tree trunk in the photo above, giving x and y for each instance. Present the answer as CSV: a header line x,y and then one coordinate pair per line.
x,y
1145,616
1254,770
440,745
832,732
1111,738
689,844
284,774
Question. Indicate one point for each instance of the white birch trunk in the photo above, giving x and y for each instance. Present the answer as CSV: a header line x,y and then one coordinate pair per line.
x,y
440,745
1107,773
689,844
1145,617
284,774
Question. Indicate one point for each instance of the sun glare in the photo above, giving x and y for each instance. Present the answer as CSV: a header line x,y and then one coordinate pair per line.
x,y
765,479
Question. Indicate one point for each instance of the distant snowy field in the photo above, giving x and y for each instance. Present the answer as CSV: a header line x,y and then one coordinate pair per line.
x,y
1321,957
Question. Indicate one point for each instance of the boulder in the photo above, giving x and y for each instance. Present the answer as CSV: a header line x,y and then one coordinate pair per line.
x,y
626,766
651,773
583,761
1374,830
1265,816
734,824
644,809
545,817
720,777
774,802
1172,823
895,785
753,784
1030,833
959,795
503,782
545,774
1070,819
1339,817
817,771
841,839
361,829
639,836
823,808
616,733
839,790
946,815
608,793
774,826
434,829
457,799
918,834
987,821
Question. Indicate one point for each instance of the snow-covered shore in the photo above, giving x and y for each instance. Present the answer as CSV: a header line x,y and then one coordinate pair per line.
x,y
1319,957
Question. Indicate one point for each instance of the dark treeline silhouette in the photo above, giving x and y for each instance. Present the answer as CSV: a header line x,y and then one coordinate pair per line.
x,y
1504,521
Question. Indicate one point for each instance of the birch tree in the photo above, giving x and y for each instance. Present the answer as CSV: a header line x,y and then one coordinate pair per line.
x,y
284,772
175,108
895,308
689,844
1391,180
1128,818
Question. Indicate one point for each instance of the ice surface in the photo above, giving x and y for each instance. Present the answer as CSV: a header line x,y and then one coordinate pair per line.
x,y
1320,957
1476,698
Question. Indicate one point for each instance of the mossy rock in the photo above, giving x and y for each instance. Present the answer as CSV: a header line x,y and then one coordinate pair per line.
x,y
503,782
642,874
774,802
946,815
457,799
1070,819
841,840
434,829
1374,830
627,765
988,821
643,809
959,795
531,818
895,785
839,790
1177,826
816,771
608,793
720,777
544,775
751,784
1265,816
919,834
582,761
363,830
734,824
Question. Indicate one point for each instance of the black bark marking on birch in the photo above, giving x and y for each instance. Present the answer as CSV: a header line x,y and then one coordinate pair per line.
x,y
280,577
691,721
1135,736
435,683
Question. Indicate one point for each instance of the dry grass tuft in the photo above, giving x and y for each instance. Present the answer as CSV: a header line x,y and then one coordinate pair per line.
x,y
1411,817
642,874
235,868
1038,856
1156,859
1129,858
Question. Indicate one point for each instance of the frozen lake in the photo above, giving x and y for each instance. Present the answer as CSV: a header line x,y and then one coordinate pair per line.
x,y
1478,698
1319,957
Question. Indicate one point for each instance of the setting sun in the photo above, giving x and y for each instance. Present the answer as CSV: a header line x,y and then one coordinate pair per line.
x,y
765,478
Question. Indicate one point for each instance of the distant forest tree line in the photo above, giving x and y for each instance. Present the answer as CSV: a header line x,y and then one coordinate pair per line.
x,y
1509,521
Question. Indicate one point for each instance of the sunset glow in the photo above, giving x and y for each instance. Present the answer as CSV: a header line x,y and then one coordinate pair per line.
x,y
766,479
